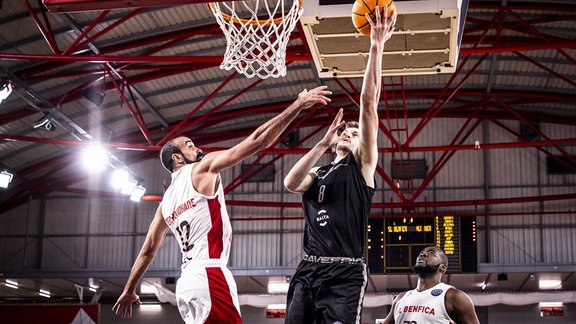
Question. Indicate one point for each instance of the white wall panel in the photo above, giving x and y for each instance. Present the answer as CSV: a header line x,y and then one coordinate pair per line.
x,y
110,252
67,216
64,253
13,222
111,215
12,253
516,246
560,244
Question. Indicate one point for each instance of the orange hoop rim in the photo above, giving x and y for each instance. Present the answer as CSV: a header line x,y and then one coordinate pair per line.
x,y
256,22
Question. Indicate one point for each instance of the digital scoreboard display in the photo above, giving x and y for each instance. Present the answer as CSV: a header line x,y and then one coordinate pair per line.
x,y
394,243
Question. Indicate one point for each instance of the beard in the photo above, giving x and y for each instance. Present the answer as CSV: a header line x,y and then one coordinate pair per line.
x,y
425,269
199,157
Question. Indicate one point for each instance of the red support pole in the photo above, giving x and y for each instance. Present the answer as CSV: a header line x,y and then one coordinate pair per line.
x,y
85,32
441,162
131,59
241,178
545,68
539,132
109,28
434,111
190,114
546,38
47,34
386,178
140,122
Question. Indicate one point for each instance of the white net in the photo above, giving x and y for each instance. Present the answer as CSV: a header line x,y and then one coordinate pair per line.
x,y
256,44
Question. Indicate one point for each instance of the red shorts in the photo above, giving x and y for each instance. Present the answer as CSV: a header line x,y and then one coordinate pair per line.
x,y
207,294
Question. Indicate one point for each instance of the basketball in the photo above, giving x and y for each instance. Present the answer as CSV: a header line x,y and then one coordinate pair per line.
x,y
362,7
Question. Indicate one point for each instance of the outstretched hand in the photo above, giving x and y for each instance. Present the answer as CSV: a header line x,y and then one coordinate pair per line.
x,y
331,137
123,306
307,99
381,27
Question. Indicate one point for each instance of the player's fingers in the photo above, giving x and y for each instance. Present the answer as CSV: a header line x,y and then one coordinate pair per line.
x,y
377,14
369,20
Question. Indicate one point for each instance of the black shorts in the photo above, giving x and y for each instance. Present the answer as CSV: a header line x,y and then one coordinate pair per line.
x,y
326,293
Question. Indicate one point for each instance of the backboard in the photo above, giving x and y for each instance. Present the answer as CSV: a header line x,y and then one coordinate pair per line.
x,y
426,38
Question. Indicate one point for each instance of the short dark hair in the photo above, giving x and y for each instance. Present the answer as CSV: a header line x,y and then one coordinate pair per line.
x,y
348,124
443,257
166,154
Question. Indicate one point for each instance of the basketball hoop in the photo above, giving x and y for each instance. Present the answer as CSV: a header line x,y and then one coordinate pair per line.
x,y
256,46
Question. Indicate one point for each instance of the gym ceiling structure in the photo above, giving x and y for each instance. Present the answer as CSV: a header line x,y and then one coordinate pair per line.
x,y
491,146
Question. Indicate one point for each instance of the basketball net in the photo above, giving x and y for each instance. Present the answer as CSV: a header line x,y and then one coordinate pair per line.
x,y
256,46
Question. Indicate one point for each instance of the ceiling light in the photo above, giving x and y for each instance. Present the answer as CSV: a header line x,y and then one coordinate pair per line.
x,y
95,158
483,285
119,178
550,284
5,90
11,283
5,179
137,193
44,293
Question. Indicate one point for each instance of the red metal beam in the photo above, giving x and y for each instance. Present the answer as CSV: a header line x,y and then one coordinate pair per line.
x,y
132,59
85,32
538,131
46,33
425,204
89,5
135,115
433,111
542,36
547,69
245,175
178,127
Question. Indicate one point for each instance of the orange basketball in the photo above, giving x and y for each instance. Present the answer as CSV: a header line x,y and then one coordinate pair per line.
x,y
362,7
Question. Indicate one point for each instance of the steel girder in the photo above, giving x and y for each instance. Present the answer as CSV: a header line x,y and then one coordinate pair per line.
x,y
74,53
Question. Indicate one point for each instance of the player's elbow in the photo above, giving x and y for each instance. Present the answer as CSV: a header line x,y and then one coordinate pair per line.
x,y
290,185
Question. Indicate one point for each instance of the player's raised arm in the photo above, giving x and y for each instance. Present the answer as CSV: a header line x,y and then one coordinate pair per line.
x,y
266,134
367,151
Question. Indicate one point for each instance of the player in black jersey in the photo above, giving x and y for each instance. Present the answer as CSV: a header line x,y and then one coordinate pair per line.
x,y
328,286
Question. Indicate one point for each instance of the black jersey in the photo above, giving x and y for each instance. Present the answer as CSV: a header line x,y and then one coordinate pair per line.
x,y
336,208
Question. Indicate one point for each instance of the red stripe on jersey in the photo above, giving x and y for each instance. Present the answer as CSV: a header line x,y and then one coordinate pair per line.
x,y
215,240
223,309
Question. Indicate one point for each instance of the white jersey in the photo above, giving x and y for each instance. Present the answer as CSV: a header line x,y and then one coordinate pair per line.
x,y
200,223
423,307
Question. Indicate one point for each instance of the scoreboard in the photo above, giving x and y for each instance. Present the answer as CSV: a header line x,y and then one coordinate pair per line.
x,y
394,243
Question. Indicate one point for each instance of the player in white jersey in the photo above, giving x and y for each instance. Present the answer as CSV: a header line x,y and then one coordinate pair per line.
x,y
193,208
432,302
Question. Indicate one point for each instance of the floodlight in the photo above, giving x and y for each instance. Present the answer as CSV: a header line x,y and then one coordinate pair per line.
x,y
5,90
44,293
119,178
5,179
137,193
128,187
95,158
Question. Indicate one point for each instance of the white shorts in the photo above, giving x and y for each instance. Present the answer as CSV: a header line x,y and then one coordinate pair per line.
x,y
206,293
